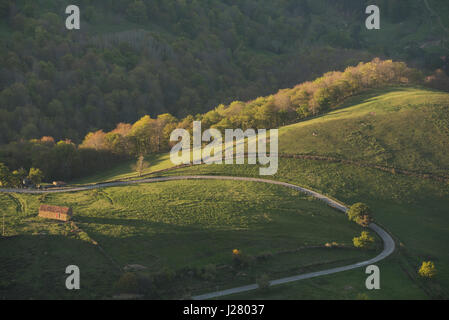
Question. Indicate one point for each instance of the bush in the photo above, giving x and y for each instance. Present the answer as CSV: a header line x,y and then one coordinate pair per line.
x,y
147,287
360,213
427,270
332,245
263,282
365,241
36,176
207,273
128,283
164,276
239,259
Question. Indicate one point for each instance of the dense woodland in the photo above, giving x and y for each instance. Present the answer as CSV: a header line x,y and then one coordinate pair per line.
x,y
100,149
151,66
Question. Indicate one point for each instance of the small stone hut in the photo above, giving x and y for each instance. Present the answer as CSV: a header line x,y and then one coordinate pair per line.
x,y
55,212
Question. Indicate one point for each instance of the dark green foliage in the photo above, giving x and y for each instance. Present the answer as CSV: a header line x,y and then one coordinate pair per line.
x,y
137,12
241,260
128,283
4,8
5,175
61,161
427,270
36,176
360,213
136,57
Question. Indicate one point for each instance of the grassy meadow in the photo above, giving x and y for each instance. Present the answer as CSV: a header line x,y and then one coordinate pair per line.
x,y
402,127
173,229
414,210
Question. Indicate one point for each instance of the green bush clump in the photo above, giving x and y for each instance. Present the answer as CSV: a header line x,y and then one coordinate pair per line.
x,y
128,283
361,214
208,272
239,259
365,241
427,270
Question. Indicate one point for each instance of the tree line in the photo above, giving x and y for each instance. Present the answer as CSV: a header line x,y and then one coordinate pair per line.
x,y
61,160
101,149
287,106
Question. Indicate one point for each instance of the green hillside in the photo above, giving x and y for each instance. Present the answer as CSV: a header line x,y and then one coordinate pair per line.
x,y
82,106
399,127
176,230
405,128
414,210
136,57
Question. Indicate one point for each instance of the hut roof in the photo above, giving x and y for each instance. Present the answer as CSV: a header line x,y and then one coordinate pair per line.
x,y
55,209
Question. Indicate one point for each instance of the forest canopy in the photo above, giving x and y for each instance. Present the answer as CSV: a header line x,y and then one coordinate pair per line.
x,y
133,58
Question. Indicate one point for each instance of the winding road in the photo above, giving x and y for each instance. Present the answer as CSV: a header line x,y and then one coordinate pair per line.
x,y
388,241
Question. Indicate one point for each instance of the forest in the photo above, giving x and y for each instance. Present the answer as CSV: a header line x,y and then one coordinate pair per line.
x,y
99,149
75,101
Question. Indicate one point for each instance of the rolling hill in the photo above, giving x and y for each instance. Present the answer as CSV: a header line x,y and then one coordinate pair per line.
x,y
403,128
182,234
413,209
406,128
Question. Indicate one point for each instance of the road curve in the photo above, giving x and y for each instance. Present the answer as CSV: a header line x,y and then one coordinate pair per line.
x,y
388,241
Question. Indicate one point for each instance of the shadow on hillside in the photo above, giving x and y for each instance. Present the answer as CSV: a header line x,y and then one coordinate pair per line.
x,y
33,267
140,223
127,167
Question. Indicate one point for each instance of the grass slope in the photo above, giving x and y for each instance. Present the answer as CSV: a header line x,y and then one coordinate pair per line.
x,y
401,127
127,170
404,127
414,210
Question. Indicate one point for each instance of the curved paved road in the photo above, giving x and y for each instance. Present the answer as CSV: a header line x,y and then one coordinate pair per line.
x,y
388,241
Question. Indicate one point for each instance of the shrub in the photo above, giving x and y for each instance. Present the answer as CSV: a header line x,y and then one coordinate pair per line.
x,y
36,176
332,245
365,241
208,272
263,282
128,283
239,259
164,276
147,287
427,270
360,213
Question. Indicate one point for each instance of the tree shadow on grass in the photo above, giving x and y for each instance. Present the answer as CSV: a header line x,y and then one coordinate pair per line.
x,y
33,267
